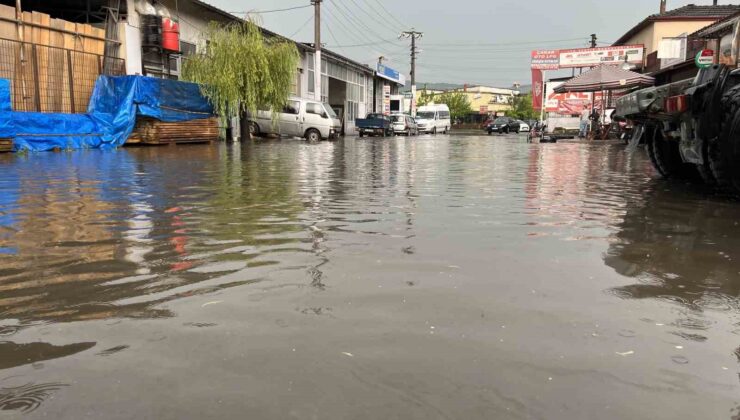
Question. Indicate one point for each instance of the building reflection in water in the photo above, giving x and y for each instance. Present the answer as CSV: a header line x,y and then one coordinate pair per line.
x,y
96,235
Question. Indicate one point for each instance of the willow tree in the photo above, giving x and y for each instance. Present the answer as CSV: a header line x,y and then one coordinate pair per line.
x,y
241,71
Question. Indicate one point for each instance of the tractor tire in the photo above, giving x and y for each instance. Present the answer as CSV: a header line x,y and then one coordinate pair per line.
x,y
724,151
666,157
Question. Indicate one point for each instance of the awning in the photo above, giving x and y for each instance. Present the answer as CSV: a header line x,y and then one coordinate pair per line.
x,y
605,77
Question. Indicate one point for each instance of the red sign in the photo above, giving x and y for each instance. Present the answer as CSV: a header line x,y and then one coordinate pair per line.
x,y
545,60
538,89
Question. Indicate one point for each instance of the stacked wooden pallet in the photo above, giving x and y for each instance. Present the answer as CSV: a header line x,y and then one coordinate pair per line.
x,y
152,131
6,145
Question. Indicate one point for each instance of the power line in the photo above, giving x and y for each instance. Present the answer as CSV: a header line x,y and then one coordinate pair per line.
x,y
390,14
381,22
370,44
310,18
357,21
274,10
348,31
469,44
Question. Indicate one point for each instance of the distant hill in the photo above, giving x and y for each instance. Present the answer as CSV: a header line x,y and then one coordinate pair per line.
x,y
431,86
524,89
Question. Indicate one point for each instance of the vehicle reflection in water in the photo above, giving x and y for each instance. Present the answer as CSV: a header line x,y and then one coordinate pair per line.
x,y
682,248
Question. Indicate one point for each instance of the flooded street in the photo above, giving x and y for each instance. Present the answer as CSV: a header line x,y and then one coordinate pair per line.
x,y
447,277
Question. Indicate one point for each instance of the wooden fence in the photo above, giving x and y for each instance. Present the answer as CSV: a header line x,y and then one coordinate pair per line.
x,y
52,64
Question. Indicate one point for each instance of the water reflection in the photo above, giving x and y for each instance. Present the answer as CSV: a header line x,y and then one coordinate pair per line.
x,y
88,234
13,354
681,247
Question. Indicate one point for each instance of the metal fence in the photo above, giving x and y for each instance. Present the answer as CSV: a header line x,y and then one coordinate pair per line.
x,y
51,79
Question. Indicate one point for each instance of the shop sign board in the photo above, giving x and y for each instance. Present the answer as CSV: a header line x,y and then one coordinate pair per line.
x,y
391,74
545,60
704,59
588,57
386,99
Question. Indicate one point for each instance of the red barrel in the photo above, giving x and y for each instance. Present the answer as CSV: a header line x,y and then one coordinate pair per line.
x,y
170,35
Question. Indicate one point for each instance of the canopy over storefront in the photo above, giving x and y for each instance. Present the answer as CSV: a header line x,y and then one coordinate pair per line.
x,y
605,77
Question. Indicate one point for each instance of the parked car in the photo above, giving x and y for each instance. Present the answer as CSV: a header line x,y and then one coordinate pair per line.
x,y
299,118
404,124
523,127
433,118
374,125
503,125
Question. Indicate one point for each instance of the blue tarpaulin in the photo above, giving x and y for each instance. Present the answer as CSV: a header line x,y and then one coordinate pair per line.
x,y
111,114
5,105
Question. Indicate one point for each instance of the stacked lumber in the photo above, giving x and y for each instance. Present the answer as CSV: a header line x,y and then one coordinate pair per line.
x,y
152,131
6,145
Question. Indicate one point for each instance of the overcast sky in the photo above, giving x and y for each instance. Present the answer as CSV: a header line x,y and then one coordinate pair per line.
x,y
465,41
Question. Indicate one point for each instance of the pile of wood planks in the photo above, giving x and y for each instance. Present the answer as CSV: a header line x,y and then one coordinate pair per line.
x,y
6,145
153,131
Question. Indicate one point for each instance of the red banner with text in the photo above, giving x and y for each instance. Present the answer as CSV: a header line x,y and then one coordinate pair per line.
x,y
537,89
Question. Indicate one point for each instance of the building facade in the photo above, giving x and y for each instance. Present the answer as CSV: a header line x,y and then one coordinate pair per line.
x,y
674,24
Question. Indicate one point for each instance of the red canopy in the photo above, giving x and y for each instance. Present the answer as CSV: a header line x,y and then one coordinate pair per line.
x,y
605,77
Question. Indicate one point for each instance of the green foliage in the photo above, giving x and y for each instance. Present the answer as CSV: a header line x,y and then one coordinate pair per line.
x,y
521,108
425,97
457,102
241,70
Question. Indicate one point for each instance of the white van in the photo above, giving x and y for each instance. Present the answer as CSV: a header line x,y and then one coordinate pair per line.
x,y
433,118
305,118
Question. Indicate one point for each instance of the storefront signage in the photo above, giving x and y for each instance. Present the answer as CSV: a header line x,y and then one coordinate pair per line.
x,y
391,74
386,99
704,59
588,57
545,60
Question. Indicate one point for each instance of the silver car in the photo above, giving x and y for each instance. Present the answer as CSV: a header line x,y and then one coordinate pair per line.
x,y
404,124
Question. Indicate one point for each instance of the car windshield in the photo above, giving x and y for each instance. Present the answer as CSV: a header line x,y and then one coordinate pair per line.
x,y
330,111
375,116
398,118
501,121
425,115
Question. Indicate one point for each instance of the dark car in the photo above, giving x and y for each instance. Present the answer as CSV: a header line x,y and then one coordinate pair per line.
x,y
374,125
503,125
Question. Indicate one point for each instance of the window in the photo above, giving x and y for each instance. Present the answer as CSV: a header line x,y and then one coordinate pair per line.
x,y
314,108
292,107
187,48
311,73
444,115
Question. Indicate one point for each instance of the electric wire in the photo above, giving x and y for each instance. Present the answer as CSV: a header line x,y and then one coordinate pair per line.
x,y
274,10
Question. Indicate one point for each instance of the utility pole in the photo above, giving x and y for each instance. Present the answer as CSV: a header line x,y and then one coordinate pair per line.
x,y
317,48
414,35
593,40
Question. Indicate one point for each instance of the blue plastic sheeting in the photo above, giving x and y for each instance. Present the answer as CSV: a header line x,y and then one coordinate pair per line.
x,y
111,114
5,105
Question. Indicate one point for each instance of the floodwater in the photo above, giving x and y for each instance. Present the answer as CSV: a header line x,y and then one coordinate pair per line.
x,y
445,277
